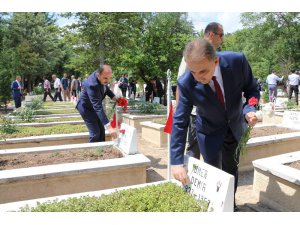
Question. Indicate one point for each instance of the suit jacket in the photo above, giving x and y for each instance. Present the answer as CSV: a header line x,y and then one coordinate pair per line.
x,y
15,91
91,98
212,120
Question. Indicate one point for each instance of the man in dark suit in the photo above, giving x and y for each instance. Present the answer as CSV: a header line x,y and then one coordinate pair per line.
x,y
16,88
214,83
90,104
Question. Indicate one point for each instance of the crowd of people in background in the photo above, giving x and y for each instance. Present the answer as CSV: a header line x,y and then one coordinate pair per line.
x,y
291,84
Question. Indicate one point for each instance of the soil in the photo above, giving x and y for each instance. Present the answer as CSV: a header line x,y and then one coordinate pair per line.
x,y
270,130
40,159
295,165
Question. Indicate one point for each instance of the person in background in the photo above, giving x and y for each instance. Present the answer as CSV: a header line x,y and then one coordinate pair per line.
x,y
47,89
132,88
73,86
79,86
158,89
149,90
272,80
294,85
90,104
57,88
16,88
123,84
65,82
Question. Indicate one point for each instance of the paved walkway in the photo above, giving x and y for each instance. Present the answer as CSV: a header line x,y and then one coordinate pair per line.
x,y
245,198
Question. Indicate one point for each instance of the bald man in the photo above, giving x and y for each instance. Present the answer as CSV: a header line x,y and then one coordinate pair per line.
x,y
90,104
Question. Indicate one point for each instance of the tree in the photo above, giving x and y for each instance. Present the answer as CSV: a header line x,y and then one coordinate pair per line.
x,y
34,39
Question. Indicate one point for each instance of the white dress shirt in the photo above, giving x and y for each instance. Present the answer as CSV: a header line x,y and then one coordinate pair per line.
x,y
272,79
294,79
57,83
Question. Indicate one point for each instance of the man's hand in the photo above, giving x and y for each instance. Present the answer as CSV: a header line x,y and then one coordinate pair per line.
x,y
251,118
112,132
180,174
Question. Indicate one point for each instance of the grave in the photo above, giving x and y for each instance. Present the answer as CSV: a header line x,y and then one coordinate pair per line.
x,y
211,184
154,133
276,184
67,178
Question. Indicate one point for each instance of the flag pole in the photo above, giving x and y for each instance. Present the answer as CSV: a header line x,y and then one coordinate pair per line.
x,y
168,113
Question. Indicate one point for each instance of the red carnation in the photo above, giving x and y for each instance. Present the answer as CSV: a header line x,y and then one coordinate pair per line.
x,y
253,101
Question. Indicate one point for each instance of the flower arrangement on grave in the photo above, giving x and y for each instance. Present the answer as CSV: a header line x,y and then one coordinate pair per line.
x,y
246,135
122,102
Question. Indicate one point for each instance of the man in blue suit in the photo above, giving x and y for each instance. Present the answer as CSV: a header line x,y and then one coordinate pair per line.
x,y
214,83
16,88
90,104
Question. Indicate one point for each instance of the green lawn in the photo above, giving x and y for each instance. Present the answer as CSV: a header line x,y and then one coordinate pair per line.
x,y
38,131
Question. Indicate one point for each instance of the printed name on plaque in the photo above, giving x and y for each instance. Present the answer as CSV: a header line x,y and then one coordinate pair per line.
x,y
210,184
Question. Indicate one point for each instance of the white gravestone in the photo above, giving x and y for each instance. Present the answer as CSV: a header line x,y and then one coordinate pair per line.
x,y
291,119
156,100
127,141
211,184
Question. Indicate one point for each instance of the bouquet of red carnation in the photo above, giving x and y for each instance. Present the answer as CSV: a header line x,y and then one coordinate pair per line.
x,y
246,135
120,102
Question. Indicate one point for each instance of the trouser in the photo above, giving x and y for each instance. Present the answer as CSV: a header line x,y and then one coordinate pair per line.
x,y
57,94
192,146
296,91
227,159
17,100
66,93
272,91
124,92
93,123
47,93
74,93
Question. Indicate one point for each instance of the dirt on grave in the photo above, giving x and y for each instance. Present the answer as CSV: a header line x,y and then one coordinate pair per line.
x,y
40,159
270,130
295,165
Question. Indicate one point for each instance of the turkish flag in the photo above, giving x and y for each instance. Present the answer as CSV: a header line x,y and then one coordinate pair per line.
x,y
168,127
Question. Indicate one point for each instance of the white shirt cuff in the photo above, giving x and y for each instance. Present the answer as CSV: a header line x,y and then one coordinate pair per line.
x,y
107,125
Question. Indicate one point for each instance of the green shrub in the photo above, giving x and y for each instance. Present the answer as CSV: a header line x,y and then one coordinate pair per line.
x,y
38,90
148,107
25,114
7,126
165,197
291,104
35,104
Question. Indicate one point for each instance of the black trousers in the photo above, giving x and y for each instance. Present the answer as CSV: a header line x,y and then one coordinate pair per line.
x,y
227,160
296,90
47,93
57,95
192,148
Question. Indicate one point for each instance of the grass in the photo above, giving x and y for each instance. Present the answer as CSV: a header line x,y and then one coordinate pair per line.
x,y
61,111
38,131
165,197
58,103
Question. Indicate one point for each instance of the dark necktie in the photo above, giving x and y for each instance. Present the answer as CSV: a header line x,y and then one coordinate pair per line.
x,y
218,91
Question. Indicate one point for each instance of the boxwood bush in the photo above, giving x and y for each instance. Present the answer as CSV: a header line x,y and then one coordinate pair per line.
x,y
165,197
